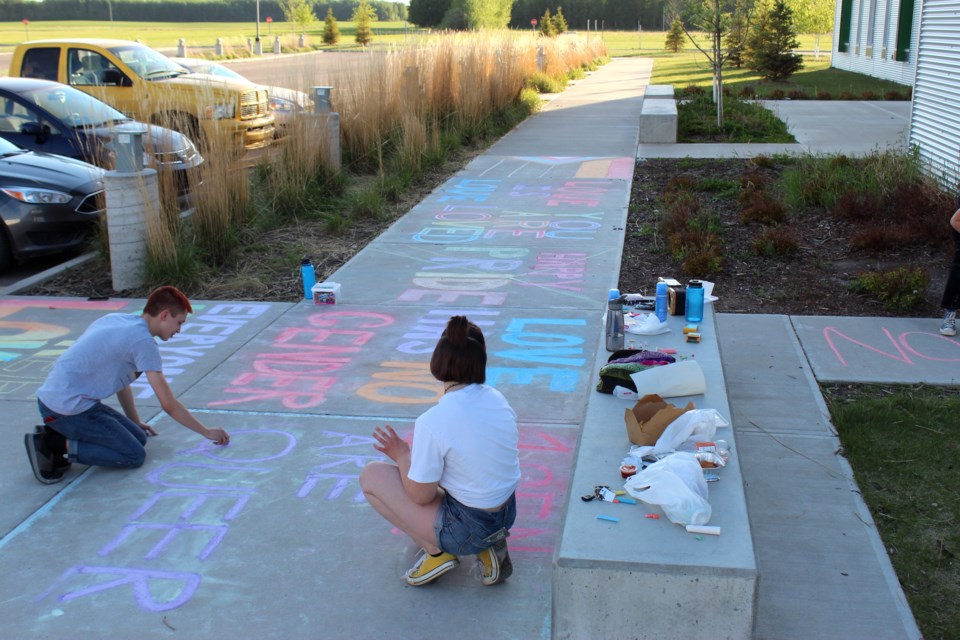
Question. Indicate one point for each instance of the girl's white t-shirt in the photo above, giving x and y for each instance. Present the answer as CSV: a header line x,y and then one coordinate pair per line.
x,y
469,443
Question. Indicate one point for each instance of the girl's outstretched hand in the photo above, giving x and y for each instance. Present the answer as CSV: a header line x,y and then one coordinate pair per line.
x,y
389,443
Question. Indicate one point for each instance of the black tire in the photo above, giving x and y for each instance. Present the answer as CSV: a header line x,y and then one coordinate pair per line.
x,y
6,253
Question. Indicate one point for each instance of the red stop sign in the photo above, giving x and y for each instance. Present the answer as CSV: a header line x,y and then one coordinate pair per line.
x,y
533,21
269,19
25,21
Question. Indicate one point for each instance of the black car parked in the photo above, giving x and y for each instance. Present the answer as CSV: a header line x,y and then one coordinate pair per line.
x,y
48,116
48,203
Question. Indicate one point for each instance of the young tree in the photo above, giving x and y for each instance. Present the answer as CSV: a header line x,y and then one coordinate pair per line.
x,y
363,16
675,37
559,22
813,16
331,32
773,38
298,12
546,25
712,17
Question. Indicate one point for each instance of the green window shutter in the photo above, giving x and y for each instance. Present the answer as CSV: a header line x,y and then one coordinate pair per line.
x,y
843,39
904,30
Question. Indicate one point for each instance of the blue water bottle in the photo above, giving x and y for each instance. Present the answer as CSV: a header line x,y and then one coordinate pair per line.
x,y
660,307
308,276
694,301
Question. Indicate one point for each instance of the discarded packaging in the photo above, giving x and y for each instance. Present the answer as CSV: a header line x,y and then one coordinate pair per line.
x,y
326,292
683,378
648,419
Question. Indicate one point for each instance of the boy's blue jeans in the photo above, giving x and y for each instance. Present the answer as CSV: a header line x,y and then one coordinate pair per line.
x,y
99,436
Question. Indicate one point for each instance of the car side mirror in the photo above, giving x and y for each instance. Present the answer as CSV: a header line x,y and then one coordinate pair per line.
x,y
40,131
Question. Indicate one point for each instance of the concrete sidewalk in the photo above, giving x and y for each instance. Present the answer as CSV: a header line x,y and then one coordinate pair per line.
x,y
271,538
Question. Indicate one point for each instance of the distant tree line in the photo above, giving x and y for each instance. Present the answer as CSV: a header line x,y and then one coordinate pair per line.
x,y
622,15
180,10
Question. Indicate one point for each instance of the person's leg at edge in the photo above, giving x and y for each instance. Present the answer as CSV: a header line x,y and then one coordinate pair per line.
x,y
100,436
951,295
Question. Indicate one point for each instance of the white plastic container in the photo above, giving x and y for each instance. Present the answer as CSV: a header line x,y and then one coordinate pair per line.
x,y
326,292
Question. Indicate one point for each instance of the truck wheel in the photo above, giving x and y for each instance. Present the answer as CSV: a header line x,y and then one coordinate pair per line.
x,y
6,255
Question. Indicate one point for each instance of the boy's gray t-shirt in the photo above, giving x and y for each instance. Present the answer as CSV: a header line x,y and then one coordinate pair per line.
x,y
110,354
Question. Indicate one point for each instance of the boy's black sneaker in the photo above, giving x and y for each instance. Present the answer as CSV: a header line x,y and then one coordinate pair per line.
x,y
42,459
55,442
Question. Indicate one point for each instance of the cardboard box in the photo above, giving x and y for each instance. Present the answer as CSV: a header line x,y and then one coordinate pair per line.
x,y
647,420
326,292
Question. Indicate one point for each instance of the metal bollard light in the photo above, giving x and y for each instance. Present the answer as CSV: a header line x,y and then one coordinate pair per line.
x,y
182,48
128,146
321,99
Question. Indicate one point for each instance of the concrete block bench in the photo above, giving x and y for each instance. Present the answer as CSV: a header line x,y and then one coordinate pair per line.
x,y
658,91
649,578
658,119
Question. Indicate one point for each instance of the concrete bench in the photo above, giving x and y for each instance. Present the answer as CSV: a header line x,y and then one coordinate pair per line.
x,y
658,91
649,578
658,119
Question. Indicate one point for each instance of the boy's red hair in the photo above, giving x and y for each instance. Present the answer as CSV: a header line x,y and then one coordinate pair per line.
x,y
167,298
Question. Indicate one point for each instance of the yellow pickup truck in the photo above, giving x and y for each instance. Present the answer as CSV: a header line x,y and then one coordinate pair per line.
x,y
147,86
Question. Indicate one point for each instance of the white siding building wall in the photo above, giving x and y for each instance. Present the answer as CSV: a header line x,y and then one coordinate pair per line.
x,y
935,118
869,44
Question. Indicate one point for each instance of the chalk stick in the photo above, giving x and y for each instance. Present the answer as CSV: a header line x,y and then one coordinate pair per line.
x,y
626,500
608,518
702,528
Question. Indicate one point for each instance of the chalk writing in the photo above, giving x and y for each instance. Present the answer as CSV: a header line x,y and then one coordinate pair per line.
x,y
182,524
344,450
299,369
898,348
199,336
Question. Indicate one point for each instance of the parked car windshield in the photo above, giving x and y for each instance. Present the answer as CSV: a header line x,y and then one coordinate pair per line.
x,y
213,69
74,106
147,63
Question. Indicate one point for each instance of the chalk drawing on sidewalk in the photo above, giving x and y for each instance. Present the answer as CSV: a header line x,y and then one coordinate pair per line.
x,y
907,347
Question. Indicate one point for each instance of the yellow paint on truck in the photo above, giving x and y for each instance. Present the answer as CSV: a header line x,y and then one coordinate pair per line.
x,y
148,86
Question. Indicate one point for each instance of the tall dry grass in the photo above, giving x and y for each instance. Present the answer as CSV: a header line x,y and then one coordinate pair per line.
x,y
396,106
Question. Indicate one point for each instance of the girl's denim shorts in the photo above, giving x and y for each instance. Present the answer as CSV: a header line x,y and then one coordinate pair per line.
x,y
463,530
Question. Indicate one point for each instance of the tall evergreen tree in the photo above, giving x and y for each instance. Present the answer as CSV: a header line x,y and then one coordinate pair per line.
x,y
331,31
363,16
736,37
772,43
675,37
559,22
546,25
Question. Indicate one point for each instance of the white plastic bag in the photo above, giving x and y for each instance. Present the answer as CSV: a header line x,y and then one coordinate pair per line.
x,y
691,427
676,484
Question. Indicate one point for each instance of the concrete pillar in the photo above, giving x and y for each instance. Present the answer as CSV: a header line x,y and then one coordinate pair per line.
x,y
276,44
321,99
258,47
301,42
250,45
132,197
218,48
182,48
541,59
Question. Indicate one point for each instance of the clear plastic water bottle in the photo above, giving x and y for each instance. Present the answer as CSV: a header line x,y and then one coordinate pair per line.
x,y
693,301
614,324
660,307
308,276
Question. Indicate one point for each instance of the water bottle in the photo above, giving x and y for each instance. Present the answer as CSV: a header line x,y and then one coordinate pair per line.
x,y
660,308
614,326
694,301
308,276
